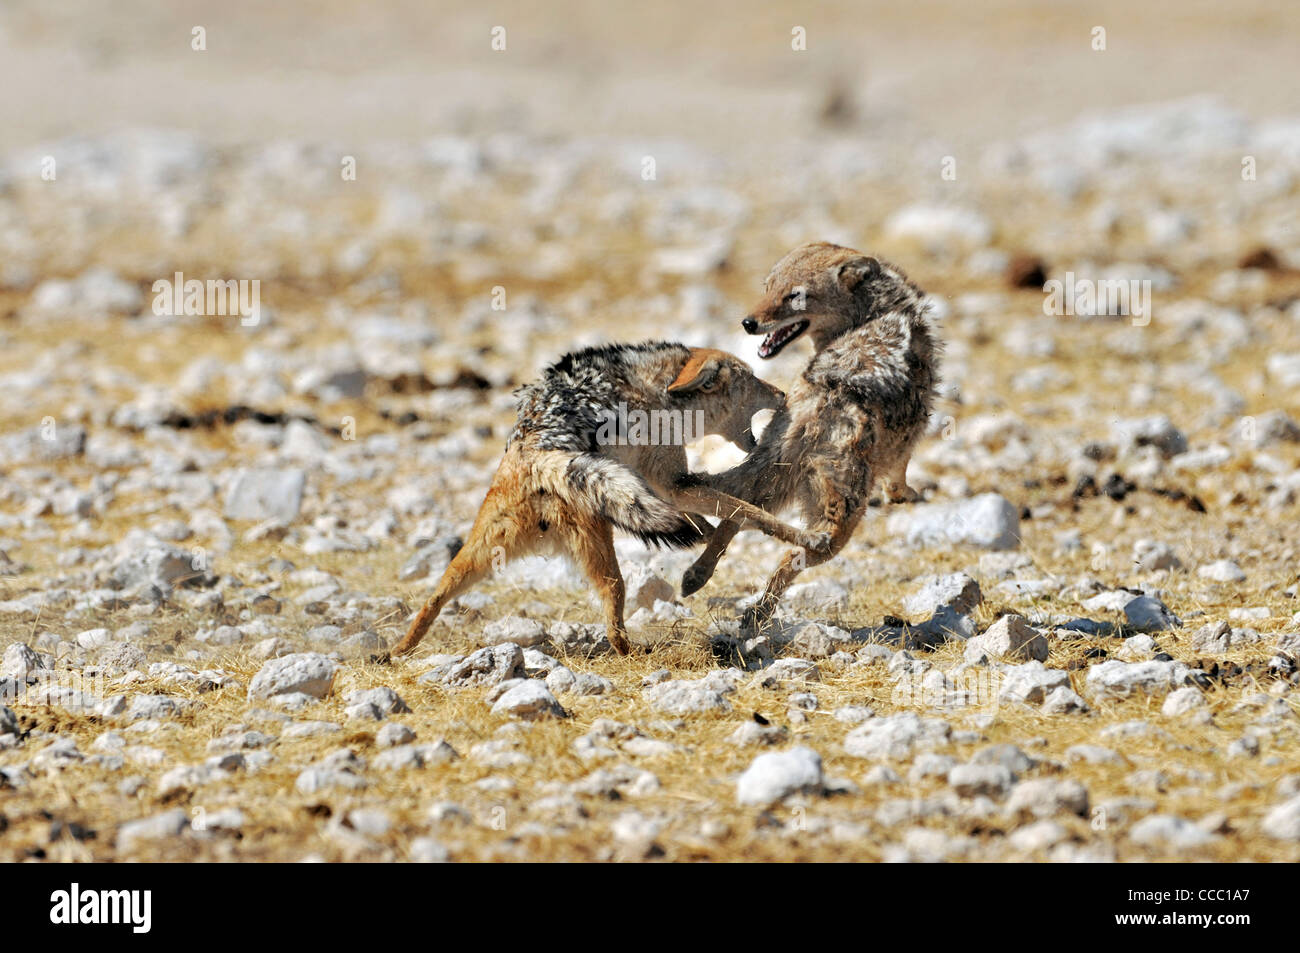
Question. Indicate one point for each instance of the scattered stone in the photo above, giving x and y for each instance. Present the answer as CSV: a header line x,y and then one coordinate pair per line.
x,y
515,629
303,673
266,494
1150,555
1149,614
159,827
971,780
1031,683
1114,680
955,591
988,521
750,733
1218,637
1283,821
487,666
1168,830
1047,797
682,697
773,777
530,700
1064,701
896,737
1183,702
1009,637
1222,570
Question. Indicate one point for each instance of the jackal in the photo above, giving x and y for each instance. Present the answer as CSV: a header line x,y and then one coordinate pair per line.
x,y
853,416
574,468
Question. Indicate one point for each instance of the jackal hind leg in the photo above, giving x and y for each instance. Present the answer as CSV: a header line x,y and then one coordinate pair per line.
x,y
838,520
710,502
496,536
593,546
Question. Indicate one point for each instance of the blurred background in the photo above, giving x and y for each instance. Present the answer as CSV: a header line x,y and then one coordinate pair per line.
x,y
718,73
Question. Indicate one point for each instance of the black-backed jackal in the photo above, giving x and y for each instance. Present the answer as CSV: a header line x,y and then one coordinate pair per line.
x,y
588,453
852,417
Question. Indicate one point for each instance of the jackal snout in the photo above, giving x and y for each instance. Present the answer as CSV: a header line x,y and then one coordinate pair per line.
x,y
818,288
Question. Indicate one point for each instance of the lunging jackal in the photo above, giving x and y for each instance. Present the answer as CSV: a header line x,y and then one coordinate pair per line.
x,y
853,416
575,468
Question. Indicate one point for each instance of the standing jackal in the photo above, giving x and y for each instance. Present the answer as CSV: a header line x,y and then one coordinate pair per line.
x,y
853,416
581,460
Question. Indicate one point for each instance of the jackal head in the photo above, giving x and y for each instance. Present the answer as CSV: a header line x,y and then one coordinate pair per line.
x,y
723,387
824,289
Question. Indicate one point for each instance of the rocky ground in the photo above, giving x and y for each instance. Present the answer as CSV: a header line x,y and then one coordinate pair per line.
x,y
1082,646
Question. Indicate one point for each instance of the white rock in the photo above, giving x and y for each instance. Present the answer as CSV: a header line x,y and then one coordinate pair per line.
x,y
488,666
1168,830
896,737
1113,679
988,521
1137,648
530,699
1092,754
683,697
1039,835
426,850
266,494
1031,683
141,561
1218,637
307,673
134,834
957,591
1064,701
522,632
644,588
940,225
21,660
1011,637
1158,432
383,698
1283,821
774,776
1150,555
1222,570
394,734
1184,701
1046,797
970,780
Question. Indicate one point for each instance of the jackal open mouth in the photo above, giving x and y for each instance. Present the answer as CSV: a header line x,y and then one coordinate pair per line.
x,y
774,342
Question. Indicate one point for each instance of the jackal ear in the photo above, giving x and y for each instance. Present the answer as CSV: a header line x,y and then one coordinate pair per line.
x,y
699,373
852,273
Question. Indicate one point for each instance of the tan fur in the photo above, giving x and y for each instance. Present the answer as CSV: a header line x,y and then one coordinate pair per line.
x,y
534,506
851,419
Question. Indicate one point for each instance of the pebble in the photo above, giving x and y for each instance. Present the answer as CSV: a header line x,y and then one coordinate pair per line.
x,y
775,776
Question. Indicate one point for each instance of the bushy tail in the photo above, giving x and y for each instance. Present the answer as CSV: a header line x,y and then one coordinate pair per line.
x,y
591,482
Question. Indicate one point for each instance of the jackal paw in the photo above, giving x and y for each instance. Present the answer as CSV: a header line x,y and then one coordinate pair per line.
x,y
819,544
904,494
754,618
695,578
619,643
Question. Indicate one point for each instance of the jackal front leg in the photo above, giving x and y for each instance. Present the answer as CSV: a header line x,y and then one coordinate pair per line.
x,y
701,571
710,502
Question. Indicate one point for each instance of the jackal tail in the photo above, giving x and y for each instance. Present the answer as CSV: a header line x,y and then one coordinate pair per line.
x,y
590,482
